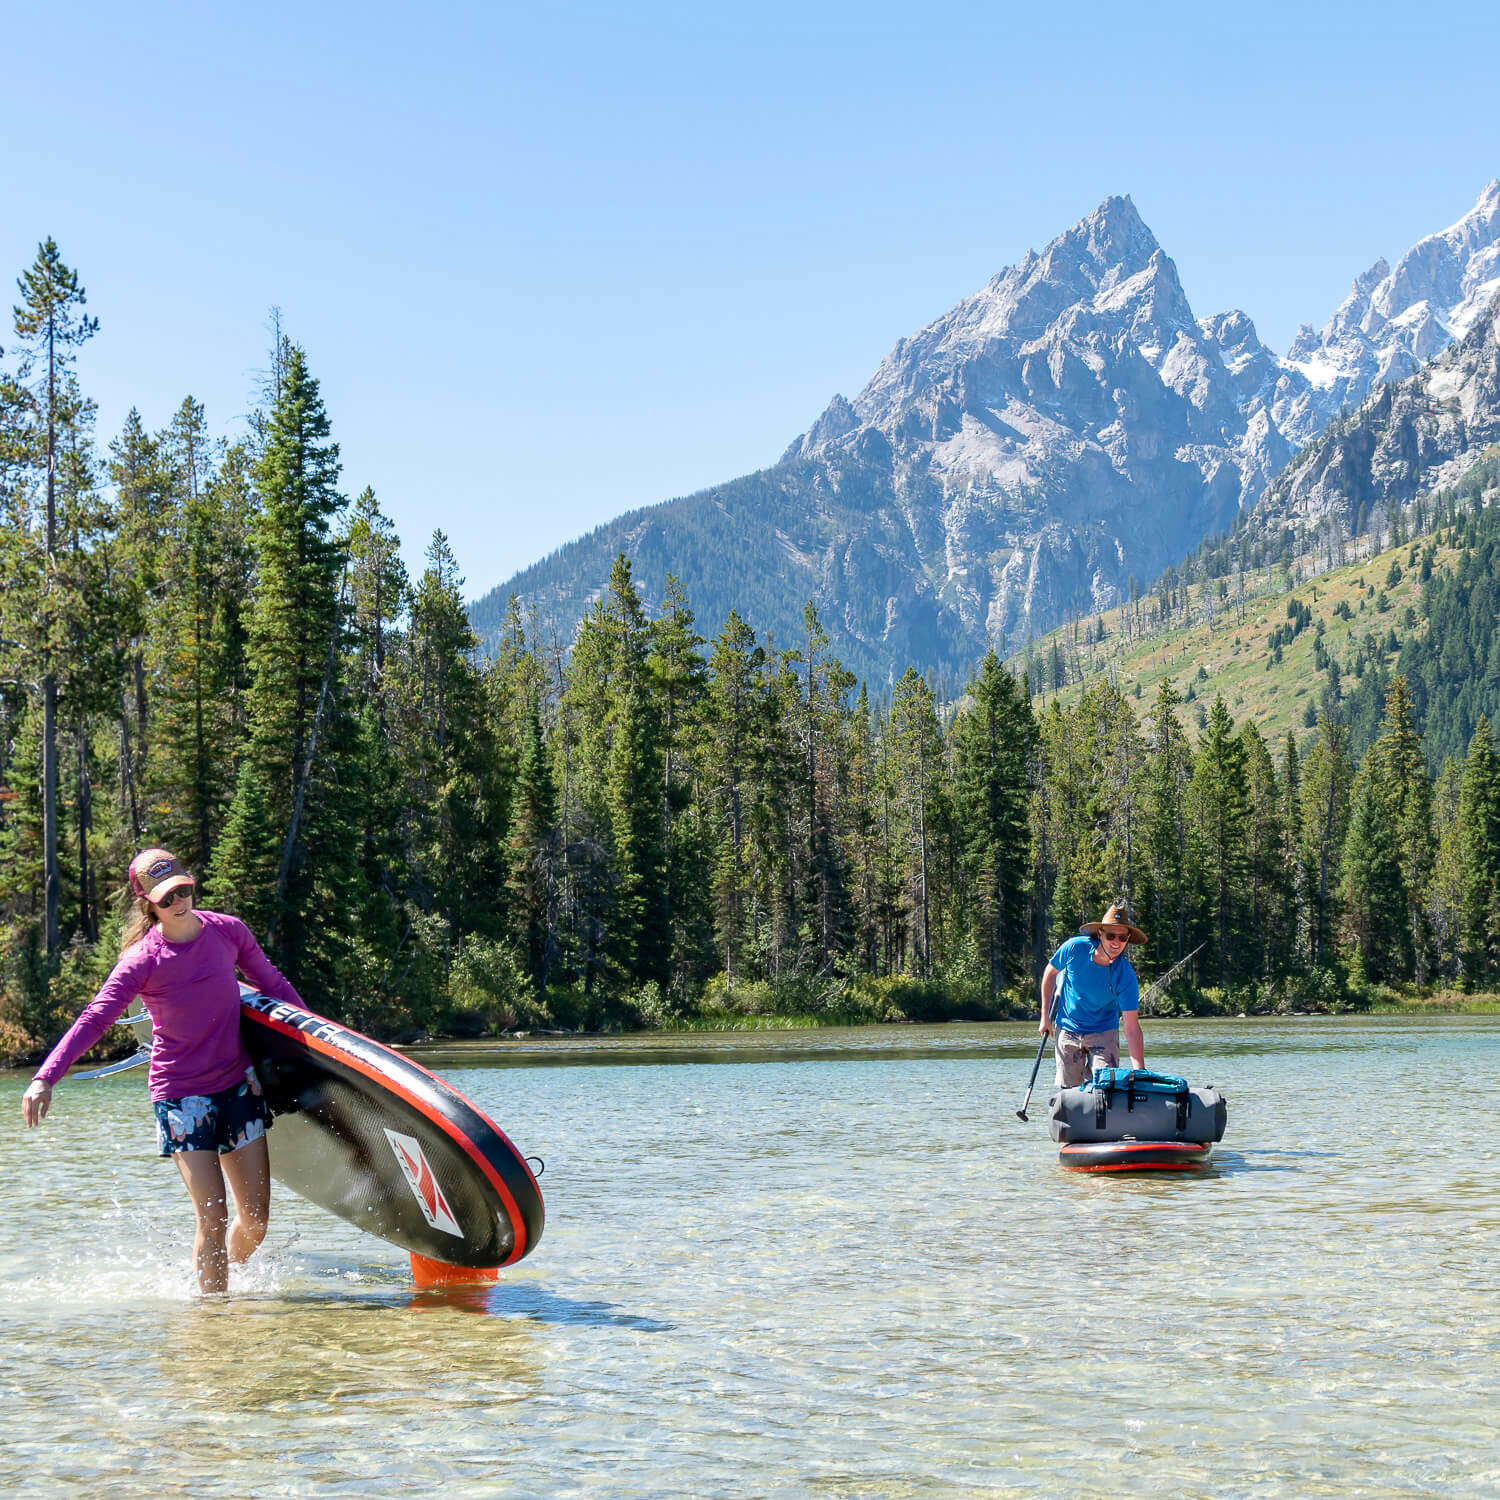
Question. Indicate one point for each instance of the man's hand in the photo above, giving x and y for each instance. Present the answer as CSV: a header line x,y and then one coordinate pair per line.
x,y
1049,985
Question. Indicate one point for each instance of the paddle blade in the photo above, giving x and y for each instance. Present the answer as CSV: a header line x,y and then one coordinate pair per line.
x,y
426,1272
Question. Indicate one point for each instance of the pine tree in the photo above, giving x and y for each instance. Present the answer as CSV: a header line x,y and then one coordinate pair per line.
x,y
917,755
532,851
582,754
1269,896
458,777
616,841
640,939
50,323
293,701
1294,867
90,667
518,679
189,658
145,501
733,714
1479,855
1445,888
1169,882
1218,808
678,676
1327,778
1047,855
816,694
378,588
862,822
992,752
1398,769
1371,888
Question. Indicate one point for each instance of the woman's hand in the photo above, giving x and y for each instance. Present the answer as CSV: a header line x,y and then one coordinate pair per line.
x,y
34,1102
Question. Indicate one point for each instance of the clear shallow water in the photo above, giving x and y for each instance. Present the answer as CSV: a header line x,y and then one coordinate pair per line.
x,y
834,1264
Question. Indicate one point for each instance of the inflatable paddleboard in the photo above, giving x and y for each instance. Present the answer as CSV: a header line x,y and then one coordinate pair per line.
x,y
378,1140
1133,1120
1135,1156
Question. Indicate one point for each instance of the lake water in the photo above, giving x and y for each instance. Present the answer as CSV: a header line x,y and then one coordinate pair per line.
x,y
815,1263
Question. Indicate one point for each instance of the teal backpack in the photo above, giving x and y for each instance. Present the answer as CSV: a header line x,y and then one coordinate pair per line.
x,y
1133,1086
1136,1081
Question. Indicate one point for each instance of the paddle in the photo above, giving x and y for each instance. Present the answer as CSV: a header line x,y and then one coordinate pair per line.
x,y
141,1055
1036,1067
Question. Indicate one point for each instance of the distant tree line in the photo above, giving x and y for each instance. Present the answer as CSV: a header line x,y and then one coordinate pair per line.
x,y
204,645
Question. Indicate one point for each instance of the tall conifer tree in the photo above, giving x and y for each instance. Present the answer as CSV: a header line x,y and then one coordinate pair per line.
x,y
51,325
1218,808
1479,855
1398,768
1327,777
918,758
532,855
293,700
1371,888
992,751
733,713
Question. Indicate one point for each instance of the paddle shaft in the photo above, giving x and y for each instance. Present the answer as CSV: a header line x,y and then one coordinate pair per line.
x,y
1036,1068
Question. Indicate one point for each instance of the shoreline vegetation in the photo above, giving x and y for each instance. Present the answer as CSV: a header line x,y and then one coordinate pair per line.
x,y
910,1004
209,646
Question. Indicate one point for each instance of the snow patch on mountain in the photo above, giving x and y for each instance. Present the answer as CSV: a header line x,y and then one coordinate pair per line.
x,y
1396,319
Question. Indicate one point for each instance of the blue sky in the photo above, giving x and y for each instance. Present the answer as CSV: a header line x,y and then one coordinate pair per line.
x,y
553,262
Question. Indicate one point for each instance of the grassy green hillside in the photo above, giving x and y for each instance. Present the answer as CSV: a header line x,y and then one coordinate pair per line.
x,y
1273,643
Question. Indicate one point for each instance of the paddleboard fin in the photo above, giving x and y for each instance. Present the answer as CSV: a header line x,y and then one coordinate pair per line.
x,y
426,1272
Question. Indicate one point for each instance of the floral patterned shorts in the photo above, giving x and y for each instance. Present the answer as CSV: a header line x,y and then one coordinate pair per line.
x,y
221,1122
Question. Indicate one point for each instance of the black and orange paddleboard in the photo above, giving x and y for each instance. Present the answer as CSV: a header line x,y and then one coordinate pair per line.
x,y
378,1140
1135,1156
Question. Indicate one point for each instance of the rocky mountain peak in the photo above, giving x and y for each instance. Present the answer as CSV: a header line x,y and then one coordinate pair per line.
x,y
1112,238
1420,434
1080,374
1069,427
1396,319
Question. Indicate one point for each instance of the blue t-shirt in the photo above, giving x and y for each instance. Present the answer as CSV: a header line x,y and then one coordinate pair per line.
x,y
1089,997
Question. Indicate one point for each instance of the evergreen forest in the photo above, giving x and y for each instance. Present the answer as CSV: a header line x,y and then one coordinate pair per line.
x,y
210,646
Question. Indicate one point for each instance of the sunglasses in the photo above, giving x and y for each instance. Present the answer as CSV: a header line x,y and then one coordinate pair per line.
x,y
1115,937
170,899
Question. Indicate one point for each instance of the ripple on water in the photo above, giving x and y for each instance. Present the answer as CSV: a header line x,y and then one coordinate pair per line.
x,y
820,1264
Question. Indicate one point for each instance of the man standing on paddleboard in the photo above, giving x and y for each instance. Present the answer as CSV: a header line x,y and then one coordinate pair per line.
x,y
1099,990
211,1115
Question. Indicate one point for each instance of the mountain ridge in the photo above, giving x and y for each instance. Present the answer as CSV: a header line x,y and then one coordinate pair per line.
x,y
1055,439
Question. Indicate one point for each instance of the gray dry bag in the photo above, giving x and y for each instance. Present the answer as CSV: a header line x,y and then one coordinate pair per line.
x,y
1126,1109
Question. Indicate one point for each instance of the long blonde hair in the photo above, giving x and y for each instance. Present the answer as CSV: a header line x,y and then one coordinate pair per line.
x,y
139,919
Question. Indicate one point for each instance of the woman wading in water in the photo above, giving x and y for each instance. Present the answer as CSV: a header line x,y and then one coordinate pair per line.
x,y
211,1115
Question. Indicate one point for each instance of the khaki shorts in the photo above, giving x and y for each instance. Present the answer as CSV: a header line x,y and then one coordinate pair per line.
x,y
1079,1056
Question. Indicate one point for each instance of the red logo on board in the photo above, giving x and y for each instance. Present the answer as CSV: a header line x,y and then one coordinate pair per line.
x,y
423,1184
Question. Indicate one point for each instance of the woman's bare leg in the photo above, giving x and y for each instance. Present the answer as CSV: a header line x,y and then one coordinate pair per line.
x,y
249,1174
205,1184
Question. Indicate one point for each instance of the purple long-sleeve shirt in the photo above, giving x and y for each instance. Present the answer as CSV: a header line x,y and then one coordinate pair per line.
x,y
194,999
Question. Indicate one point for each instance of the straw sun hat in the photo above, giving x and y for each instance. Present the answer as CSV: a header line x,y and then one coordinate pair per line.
x,y
1119,915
